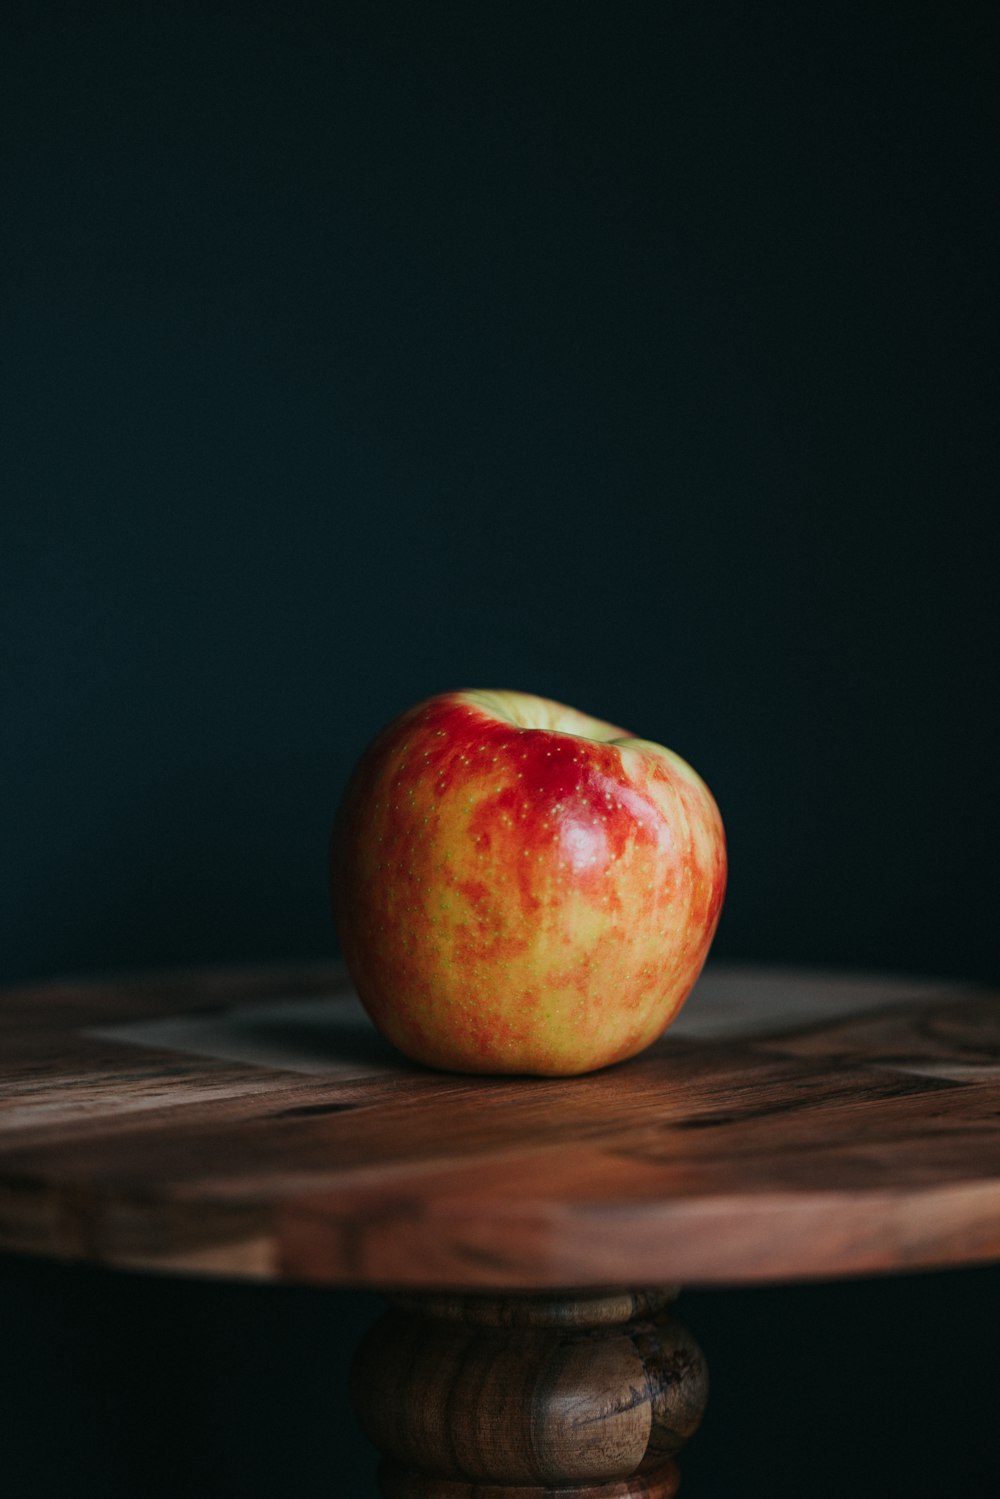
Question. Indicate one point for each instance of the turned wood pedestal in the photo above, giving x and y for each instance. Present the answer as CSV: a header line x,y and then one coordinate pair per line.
x,y
529,1234
474,1397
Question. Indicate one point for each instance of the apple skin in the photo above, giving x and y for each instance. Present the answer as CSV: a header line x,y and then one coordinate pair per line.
x,y
519,888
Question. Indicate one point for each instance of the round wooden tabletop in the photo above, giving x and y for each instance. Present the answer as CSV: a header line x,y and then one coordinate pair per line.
x,y
252,1123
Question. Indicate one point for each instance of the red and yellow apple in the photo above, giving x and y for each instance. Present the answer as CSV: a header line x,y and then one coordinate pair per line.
x,y
519,888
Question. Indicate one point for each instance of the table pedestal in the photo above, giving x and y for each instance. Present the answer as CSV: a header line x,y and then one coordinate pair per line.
x,y
555,1396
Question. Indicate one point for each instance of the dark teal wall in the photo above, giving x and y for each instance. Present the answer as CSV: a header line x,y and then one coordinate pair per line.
x,y
642,356
115,1386
638,357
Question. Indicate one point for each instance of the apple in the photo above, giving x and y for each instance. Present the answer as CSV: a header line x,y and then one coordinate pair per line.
x,y
520,888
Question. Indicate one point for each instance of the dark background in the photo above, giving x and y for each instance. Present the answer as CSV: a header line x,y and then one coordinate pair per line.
x,y
640,355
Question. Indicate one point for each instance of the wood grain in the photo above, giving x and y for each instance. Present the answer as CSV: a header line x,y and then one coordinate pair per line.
x,y
792,1126
529,1400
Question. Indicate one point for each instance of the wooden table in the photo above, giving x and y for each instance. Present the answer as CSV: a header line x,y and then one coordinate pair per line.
x,y
530,1233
